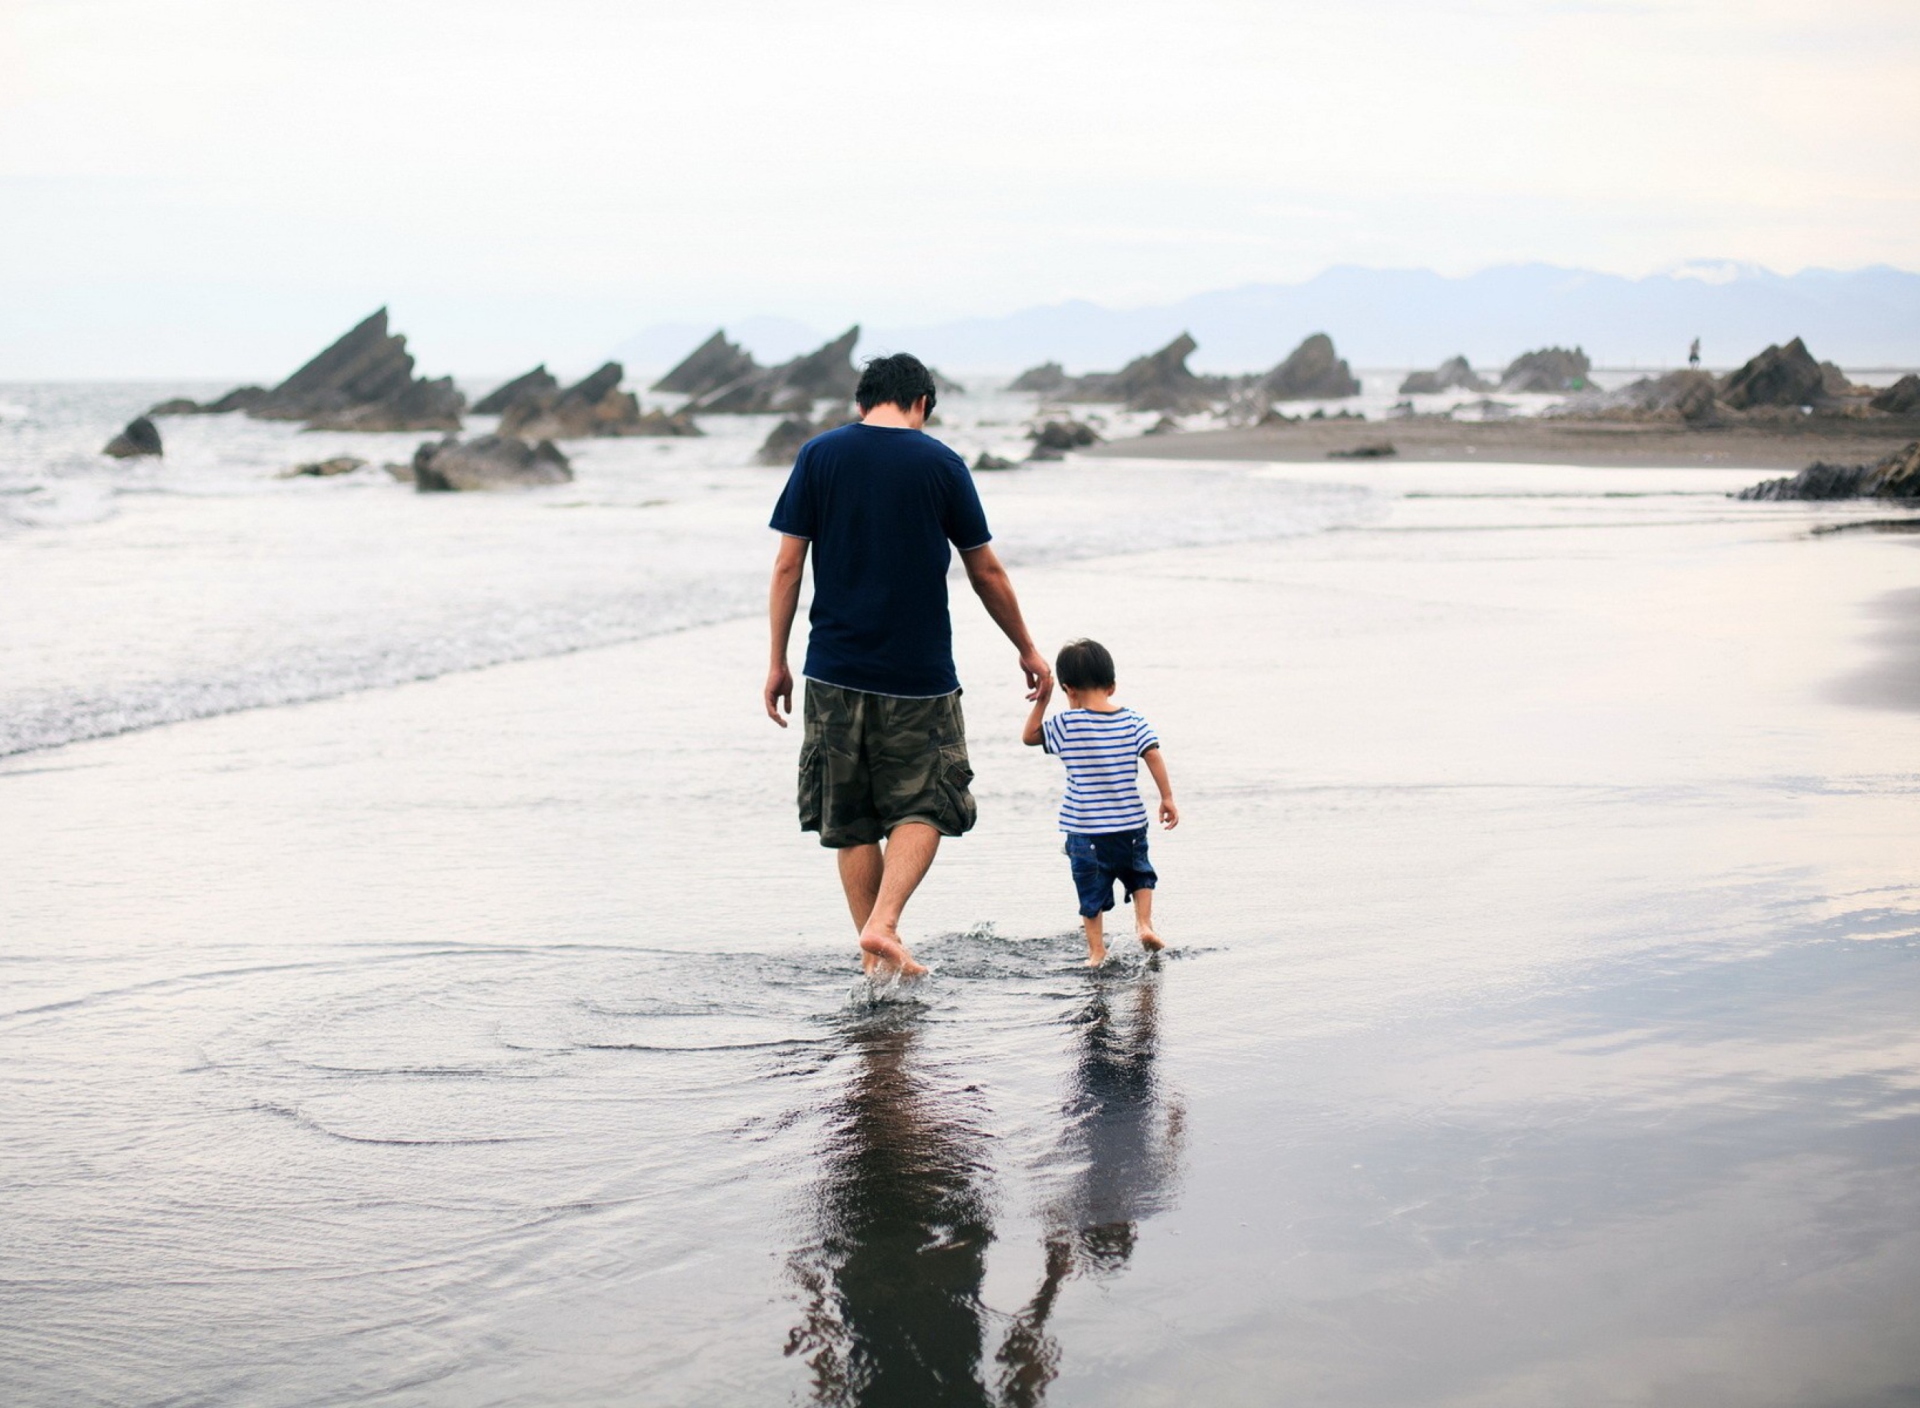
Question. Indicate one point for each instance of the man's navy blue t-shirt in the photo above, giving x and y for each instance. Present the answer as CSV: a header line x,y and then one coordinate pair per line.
x,y
880,504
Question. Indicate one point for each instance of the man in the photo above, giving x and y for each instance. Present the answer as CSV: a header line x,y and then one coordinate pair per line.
x,y
883,758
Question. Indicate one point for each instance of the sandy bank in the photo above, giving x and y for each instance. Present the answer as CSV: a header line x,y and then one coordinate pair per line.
x,y
1601,444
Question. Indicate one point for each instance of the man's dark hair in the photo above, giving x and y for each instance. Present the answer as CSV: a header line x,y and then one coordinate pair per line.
x,y
900,379
1084,664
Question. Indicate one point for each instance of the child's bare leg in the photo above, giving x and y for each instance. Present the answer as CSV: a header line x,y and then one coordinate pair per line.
x,y
1096,939
1150,938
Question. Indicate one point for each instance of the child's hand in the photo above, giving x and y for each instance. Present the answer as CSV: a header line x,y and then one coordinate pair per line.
x,y
1169,813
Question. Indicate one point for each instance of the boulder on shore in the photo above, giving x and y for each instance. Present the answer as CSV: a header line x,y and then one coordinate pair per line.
x,y
988,461
1377,450
1046,379
1456,373
1052,440
1550,369
713,364
1895,477
140,437
825,374
535,385
491,462
1900,399
1780,376
1313,371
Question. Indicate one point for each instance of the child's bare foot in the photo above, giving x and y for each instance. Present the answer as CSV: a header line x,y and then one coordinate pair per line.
x,y
1095,957
1150,941
889,956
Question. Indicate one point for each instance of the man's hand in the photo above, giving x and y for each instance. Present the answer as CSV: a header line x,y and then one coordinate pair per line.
x,y
779,692
1039,674
1169,813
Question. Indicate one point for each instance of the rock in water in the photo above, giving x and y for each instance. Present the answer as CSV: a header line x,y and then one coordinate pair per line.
x,y
1453,374
141,437
1550,369
1161,381
945,385
1056,437
1311,372
325,469
713,364
1895,477
825,374
1046,379
491,462
593,406
1900,399
241,398
785,440
364,381
989,461
178,406
1684,395
536,385
1166,425
1779,376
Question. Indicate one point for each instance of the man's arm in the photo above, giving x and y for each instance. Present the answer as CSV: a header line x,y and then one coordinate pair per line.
x,y
783,603
995,590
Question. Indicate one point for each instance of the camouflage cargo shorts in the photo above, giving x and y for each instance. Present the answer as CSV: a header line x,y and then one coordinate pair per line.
x,y
869,762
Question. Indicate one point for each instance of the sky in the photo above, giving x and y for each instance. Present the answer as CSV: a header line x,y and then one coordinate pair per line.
x,y
215,187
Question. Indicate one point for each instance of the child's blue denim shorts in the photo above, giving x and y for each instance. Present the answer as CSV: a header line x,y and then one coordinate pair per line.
x,y
1098,861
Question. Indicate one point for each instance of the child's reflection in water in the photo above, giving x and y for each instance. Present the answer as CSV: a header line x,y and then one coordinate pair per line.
x,y
893,1285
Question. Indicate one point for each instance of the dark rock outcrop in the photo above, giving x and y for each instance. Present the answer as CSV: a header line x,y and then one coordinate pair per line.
x,y
1166,425
1313,371
325,469
1456,373
988,461
1688,396
536,385
178,406
786,438
490,462
241,398
713,364
1550,369
1780,376
825,374
364,381
1159,381
140,437
1046,379
946,385
1900,399
594,406
1379,450
1056,437
1895,477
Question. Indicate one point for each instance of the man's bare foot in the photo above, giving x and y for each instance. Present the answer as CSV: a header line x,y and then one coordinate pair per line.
x,y
889,955
1150,941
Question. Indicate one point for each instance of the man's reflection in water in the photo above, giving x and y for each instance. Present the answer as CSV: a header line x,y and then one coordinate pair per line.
x,y
1125,1136
894,1314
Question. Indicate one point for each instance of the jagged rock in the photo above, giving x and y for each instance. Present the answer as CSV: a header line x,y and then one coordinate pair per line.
x,y
785,440
1311,372
364,381
491,462
1895,477
141,437
1900,399
178,406
1046,379
990,461
1687,395
1454,373
1166,425
1378,451
1550,369
658,422
325,469
946,385
1779,376
535,385
592,406
713,364
1270,416
825,374
1159,381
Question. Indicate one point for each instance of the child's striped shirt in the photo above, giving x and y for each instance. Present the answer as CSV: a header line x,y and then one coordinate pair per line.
x,y
1102,753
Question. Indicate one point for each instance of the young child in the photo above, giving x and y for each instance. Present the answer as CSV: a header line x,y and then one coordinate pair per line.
x,y
1102,744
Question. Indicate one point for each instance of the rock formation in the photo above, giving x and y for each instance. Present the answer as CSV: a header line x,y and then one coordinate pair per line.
x,y
535,385
141,437
1895,477
178,406
1550,369
989,461
491,462
946,385
1688,396
1159,381
1166,425
1780,376
1378,450
325,469
1311,372
595,406
1456,373
1046,379
825,374
713,364
1900,399
1056,437
786,438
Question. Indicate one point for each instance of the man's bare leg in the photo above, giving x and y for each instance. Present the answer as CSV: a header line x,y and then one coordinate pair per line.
x,y
1096,927
909,854
1150,939
860,869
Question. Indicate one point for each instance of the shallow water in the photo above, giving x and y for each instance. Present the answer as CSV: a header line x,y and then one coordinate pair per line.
x,y
1539,1026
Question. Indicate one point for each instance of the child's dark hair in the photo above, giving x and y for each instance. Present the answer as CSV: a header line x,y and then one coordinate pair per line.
x,y
1084,664
899,380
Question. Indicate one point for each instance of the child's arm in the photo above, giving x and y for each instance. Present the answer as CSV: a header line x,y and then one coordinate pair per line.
x,y
1031,735
1157,765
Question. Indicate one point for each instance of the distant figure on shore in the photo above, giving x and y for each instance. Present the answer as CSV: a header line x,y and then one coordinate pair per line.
x,y
1102,744
1693,355
884,752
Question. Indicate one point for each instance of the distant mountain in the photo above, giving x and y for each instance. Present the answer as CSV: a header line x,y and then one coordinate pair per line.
x,y
1415,318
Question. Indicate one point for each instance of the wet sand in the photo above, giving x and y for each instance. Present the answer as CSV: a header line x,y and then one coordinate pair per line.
x,y
1541,1027
1532,440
